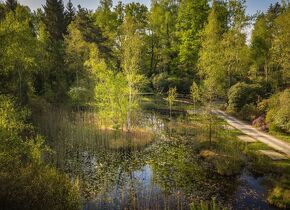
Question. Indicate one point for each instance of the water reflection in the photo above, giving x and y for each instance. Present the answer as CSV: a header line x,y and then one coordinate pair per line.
x,y
155,167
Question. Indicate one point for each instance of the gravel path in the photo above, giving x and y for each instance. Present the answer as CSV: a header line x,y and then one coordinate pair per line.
x,y
247,129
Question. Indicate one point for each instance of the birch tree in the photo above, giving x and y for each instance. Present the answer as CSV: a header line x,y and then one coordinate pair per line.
x,y
131,58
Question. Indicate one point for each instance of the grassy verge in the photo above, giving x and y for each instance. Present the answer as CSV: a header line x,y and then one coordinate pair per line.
x,y
158,103
282,136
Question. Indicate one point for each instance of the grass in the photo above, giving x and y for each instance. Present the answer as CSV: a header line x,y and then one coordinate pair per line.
x,y
281,136
157,102
277,173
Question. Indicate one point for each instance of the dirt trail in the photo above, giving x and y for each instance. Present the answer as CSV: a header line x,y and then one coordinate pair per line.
x,y
247,129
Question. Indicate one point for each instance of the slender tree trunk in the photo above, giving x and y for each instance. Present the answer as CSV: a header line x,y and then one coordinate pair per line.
x,y
266,72
152,56
210,129
20,85
129,108
77,75
170,108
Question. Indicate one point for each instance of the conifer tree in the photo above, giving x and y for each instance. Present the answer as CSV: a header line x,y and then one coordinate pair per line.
x,y
54,19
70,13
11,5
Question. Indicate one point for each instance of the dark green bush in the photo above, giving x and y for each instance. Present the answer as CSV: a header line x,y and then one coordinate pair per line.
x,y
37,186
241,94
249,112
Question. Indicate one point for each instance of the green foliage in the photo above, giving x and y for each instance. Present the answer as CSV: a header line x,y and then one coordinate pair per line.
x,y
213,205
280,196
162,25
260,49
249,112
194,90
18,58
37,187
171,96
26,182
162,82
241,94
192,15
281,46
131,64
210,55
278,115
54,19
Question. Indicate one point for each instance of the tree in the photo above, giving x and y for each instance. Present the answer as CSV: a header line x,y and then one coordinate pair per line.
x,y
111,91
280,51
260,48
11,5
162,22
192,16
210,56
106,19
195,95
131,57
171,97
18,57
235,51
54,19
69,13
76,53
278,115
139,13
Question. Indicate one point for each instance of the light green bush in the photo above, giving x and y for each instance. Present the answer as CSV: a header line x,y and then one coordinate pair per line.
x,y
278,115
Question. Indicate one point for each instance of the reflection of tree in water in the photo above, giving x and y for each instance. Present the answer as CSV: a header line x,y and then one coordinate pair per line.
x,y
100,169
126,170
179,171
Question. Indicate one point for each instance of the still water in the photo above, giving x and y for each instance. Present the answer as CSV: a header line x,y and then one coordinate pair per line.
x,y
157,166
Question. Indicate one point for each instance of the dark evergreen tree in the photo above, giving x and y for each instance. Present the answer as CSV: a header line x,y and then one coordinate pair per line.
x,y
70,13
11,5
54,19
55,25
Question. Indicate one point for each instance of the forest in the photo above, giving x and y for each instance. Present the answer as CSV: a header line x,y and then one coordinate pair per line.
x,y
70,75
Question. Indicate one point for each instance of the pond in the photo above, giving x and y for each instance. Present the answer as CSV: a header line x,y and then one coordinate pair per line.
x,y
157,166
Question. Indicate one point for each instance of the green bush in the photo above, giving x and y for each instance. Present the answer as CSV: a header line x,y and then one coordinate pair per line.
x,y
249,112
37,186
278,115
241,94
26,182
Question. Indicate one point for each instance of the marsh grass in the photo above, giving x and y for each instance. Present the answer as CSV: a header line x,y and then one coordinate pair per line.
x,y
108,162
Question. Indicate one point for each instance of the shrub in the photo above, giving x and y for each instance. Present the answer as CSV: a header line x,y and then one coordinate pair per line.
x,y
249,112
241,94
26,182
278,115
37,186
